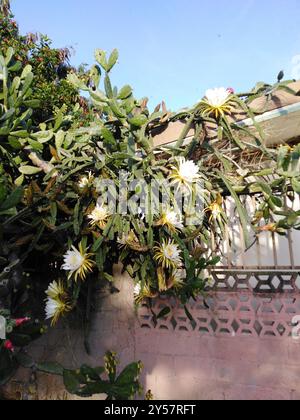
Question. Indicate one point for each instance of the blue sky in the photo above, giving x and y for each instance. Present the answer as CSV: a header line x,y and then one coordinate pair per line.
x,y
174,50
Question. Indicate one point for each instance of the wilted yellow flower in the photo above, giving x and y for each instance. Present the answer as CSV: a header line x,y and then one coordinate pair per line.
x,y
142,293
128,240
176,280
132,242
215,208
149,396
272,227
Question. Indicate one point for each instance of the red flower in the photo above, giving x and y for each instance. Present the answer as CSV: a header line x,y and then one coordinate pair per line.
x,y
8,345
21,321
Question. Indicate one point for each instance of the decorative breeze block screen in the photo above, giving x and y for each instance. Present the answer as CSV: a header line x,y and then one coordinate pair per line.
x,y
253,294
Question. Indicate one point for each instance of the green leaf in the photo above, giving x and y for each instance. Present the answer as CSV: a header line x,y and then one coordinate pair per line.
x,y
13,200
214,261
95,75
91,373
108,87
33,103
20,133
37,146
106,231
16,67
19,181
265,188
76,218
99,96
112,60
96,388
3,192
100,57
164,313
74,80
184,133
244,218
29,170
59,119
9,55
43,136
150,237
138,121
276,201
129,374
108,137
26,85
7,115
188,314
265,172
125,92
296,185
53,368
27,70
119,113
71,381
14,143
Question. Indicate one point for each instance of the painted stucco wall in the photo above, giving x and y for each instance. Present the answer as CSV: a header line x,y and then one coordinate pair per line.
x,y
239,348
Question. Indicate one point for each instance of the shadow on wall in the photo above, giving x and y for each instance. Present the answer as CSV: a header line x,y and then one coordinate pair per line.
x,y
187,366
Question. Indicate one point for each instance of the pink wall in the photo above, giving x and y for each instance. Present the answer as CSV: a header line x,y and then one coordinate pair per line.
x,y
245,351
240,348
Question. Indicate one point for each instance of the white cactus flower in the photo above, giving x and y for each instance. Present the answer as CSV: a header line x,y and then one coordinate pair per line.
x,y
56,308
171,219
86,181
168,254
217,97
78,263
185,174
217,102
99,216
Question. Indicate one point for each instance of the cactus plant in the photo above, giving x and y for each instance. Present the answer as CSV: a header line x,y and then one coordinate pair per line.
x,y
50,172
